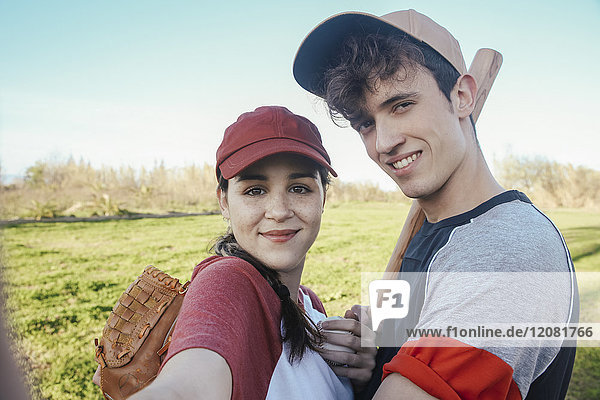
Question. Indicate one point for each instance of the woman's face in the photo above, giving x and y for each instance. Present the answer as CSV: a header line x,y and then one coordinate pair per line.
x,y
274,207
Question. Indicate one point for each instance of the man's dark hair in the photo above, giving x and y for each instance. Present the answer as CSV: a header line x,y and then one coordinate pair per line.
x,y
365,60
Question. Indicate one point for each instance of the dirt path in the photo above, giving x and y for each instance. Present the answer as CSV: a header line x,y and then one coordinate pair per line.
x,y
98,218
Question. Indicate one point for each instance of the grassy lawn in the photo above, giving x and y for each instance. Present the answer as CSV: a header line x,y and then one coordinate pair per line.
x,y
63,279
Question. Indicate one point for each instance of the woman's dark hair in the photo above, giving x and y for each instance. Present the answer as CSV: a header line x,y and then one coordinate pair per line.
x,y
299,331
364,61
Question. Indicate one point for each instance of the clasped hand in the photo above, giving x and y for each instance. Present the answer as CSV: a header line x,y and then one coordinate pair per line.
x,y
357,365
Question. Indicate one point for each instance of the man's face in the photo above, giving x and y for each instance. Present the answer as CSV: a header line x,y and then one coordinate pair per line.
x,y
413,133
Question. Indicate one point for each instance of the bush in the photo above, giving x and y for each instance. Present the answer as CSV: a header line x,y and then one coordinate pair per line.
x,y
57,188
550,184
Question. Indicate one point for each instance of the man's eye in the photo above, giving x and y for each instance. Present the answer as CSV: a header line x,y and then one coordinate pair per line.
x,y
365,126
402,106
254,192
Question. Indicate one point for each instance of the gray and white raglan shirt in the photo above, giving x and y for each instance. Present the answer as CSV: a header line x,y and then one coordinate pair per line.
x,y
502,264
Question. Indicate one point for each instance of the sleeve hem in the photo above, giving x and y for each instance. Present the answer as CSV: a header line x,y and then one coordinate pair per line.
x,y
421,375
450,370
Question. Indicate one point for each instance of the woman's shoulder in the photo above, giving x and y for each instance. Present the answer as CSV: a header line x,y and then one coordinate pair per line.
x,y
217,265
220,277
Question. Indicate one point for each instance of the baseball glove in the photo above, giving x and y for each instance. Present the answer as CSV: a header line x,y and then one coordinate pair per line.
x,y
137,334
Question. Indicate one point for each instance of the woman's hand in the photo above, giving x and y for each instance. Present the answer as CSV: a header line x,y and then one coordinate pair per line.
x,y
357,365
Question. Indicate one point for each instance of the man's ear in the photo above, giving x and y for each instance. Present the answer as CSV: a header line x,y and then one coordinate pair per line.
x,y
467,93
222,197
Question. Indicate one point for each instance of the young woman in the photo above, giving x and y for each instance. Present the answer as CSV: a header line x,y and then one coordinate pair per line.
x,y
247,327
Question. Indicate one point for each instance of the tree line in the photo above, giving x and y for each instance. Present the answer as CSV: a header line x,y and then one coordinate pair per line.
x,y
69,187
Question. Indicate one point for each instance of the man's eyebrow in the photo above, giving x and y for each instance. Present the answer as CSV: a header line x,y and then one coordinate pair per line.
x,y
362,114
398,97
356,118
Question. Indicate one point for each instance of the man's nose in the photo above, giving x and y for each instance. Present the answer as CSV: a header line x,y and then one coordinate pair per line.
x,y
388,137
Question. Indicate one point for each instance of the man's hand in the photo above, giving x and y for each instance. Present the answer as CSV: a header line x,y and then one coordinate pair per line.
x,y
358,366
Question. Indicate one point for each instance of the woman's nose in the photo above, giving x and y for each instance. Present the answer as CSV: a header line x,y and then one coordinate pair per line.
x,y
278,207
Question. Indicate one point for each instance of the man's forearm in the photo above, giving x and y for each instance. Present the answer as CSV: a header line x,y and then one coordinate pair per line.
x,y
397,387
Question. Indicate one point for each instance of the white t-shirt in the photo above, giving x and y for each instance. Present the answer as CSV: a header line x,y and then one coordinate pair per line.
x,y
311,377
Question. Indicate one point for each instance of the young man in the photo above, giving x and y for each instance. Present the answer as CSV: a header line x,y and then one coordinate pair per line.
x,y
401,82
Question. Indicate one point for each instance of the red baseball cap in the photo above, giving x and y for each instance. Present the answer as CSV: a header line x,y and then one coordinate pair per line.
x,y
266,131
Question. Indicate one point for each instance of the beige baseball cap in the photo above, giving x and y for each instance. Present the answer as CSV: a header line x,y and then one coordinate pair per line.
x,y
319,46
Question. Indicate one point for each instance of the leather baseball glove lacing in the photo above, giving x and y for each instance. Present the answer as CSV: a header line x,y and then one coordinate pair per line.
x,y
137,334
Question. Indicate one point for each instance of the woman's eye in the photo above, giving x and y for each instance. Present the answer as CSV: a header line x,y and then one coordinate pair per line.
x,y
299,189
254,191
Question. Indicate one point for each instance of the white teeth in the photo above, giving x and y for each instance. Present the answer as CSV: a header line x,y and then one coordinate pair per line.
x,y
405,161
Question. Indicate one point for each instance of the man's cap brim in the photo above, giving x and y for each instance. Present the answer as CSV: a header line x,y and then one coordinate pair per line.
x,y
320,45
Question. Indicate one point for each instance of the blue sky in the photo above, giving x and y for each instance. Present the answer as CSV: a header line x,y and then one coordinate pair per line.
x,y
139,82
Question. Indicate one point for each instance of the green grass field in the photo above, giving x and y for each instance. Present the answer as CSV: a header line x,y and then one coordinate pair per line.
x,y
63,279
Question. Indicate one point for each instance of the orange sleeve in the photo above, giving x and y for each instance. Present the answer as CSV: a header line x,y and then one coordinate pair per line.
x,y
450,370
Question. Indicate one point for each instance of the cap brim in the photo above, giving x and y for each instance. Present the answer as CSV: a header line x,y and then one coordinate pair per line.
x,y
254,152
320,45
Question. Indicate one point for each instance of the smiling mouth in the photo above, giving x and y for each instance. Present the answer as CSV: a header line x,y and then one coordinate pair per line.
x,y
280,236
405,162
